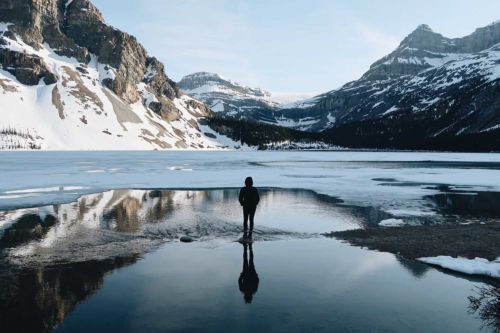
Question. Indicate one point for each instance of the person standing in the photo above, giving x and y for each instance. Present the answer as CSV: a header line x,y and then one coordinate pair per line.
x,y
249,199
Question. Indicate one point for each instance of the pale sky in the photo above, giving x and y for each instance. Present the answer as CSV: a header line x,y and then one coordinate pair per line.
x,y
286,46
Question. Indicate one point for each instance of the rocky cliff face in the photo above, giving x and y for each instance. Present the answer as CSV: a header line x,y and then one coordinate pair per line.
x,y
76,28
89,65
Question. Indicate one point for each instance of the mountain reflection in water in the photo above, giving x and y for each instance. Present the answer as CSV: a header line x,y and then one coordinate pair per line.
x,y
100,226
54,257
38,299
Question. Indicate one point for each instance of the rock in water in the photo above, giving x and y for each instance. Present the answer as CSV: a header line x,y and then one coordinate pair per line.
x,y
244,240
186,239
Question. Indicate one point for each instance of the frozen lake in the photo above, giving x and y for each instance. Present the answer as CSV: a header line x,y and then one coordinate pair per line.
x,y
89,241
35,178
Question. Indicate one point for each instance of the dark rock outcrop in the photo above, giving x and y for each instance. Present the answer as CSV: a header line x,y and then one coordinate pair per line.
x,y
186,239
40,21
160,84
28,69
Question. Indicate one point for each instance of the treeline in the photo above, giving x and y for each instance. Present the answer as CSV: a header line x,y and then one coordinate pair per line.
x,y
258,134
13,139
410,134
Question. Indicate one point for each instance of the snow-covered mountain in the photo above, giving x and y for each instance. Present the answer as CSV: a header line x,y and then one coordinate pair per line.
x,y
431,92
232,99
70,81
430,89
228,97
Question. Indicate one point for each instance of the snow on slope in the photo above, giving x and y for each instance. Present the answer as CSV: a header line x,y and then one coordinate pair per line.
x,y
79,112
425,73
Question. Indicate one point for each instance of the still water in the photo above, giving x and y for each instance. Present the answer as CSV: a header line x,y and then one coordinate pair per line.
x,y
112,262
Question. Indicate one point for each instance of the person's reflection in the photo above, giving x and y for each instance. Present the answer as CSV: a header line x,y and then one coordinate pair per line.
x,y
249,280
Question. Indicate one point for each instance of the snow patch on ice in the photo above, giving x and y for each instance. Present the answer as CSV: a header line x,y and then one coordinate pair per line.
x,y
96,171
409,212
16,196
179,168
46,189
478,266
392,223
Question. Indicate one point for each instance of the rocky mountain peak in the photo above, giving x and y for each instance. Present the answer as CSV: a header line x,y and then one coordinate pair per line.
x,y
84,7
226,96
199,79
102,69
204,75
424,48
76,28
424,38
424,27
202,81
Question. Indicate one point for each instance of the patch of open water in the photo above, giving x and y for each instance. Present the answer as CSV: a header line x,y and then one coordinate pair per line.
x,y
112,262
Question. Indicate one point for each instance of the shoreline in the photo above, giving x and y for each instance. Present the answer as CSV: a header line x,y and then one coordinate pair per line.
x,y
413,242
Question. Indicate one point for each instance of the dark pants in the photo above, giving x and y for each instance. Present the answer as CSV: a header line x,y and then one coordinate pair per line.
x,y
248,212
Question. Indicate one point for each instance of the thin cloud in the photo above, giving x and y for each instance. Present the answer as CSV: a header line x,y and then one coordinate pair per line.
x,y
376,40
300,45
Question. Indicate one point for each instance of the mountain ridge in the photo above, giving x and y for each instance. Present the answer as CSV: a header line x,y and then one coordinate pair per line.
x,y
430,97
231,99
430,92
228,97
70,81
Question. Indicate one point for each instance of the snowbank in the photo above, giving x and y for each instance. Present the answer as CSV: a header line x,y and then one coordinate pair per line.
x,y
392,223
478,266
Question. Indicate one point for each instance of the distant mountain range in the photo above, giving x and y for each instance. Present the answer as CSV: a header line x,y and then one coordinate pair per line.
x,y
70,81
228,97
432,92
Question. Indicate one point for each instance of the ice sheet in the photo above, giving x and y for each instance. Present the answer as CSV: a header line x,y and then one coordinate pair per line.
x,y
361,178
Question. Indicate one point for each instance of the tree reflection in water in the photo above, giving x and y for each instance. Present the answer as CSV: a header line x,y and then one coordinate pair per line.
x,y
486,305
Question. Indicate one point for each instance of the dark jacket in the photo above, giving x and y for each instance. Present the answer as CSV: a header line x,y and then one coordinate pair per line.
x,y
249,197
